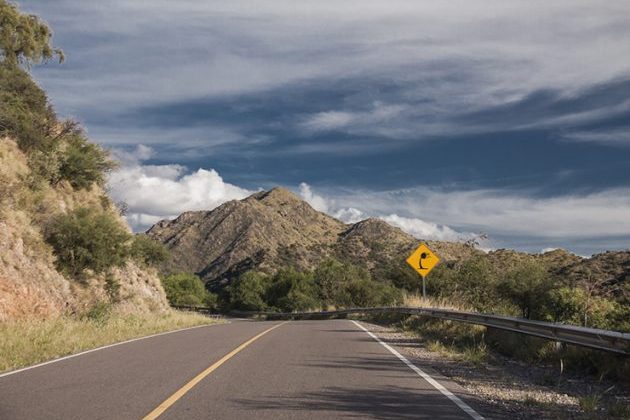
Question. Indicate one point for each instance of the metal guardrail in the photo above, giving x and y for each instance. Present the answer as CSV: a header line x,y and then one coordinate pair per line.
x,y
611,341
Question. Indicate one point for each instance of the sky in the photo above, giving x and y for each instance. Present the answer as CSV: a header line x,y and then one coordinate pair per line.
x,y
446,119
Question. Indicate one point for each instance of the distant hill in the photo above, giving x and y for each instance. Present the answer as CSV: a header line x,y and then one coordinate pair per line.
x,y
272,229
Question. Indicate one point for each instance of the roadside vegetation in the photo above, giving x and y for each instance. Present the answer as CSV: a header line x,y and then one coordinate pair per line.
x,y
187,289
332,284
72,275
25,343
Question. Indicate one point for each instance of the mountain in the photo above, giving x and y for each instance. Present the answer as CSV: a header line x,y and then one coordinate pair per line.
x,y
275,228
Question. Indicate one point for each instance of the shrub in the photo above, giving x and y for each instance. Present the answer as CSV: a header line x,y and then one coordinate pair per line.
x,y
291,290
147,251
85,239
526,285
84,163
24,110
248,291
187,289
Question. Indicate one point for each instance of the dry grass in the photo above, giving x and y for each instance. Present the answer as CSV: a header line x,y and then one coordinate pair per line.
x,y
429,302
24,343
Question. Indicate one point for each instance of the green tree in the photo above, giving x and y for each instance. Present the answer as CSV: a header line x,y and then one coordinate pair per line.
x,y
87,239
526,285
187,289
25,113
248,291
25,39
291,290
472,283
84,163
147,250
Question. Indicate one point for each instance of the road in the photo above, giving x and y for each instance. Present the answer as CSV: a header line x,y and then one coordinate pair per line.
x,y
243,369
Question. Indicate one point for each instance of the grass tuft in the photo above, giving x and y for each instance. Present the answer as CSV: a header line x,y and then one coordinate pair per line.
x,y
24,343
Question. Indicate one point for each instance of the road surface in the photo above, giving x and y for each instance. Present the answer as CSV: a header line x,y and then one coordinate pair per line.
x,y
244,369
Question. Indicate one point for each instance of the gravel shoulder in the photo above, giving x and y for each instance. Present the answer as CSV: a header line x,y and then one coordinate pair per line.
x,y
505,388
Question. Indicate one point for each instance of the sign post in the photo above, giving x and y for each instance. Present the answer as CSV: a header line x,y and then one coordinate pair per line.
x,y
423,260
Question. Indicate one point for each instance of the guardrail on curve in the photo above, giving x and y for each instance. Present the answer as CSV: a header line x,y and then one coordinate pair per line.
x,y
606,340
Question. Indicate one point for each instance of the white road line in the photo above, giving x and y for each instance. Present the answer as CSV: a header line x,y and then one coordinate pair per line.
x,y
70,356
448,394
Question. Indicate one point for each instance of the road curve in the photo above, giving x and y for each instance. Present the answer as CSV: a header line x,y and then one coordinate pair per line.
x,y
298,370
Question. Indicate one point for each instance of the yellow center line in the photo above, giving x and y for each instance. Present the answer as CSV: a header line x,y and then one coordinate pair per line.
x,y
194,381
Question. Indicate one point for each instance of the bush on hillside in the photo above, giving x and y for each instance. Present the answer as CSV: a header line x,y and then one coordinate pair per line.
x,y
84,163
187,289
24,110
85,239
147,251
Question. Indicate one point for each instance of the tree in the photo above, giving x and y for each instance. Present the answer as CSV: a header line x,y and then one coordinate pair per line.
x,y
87,239
25,39
291,290
84,163
187,289
148,251
248,291
526,285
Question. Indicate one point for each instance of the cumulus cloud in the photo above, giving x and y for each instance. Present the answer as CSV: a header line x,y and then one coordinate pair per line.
x,y
155,192
568,217
416,227
318,202
424,230
350,215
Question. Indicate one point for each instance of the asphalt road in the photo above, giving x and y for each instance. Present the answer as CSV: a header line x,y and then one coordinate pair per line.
x,y
298,370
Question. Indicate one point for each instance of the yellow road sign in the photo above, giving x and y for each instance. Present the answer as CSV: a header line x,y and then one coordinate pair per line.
x,y
423,260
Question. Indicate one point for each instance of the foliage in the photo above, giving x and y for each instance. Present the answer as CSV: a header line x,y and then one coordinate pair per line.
x,y
331,283
84,163
148,251
24,38
473,283
248,291
24,110
291,290
187,289
526,285
87,239
574,305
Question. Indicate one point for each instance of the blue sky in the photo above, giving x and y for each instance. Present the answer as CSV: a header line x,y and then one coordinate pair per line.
x,y
507,118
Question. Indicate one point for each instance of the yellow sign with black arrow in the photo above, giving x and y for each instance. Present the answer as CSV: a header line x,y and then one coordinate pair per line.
x,y
423,260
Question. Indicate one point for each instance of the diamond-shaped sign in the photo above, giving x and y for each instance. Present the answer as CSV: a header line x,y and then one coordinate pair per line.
x,y
423,260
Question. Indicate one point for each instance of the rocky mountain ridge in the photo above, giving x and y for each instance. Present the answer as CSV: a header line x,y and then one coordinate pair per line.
x,y
275,228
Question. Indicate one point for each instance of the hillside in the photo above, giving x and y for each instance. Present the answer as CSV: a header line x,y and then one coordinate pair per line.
x,y
273,229
64,249
30,283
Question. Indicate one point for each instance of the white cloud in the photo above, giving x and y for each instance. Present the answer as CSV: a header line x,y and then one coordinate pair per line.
x,y
424,230
416,227
612,137
458,55
350,215
318,202
375,120
155,192
568,217
549,249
